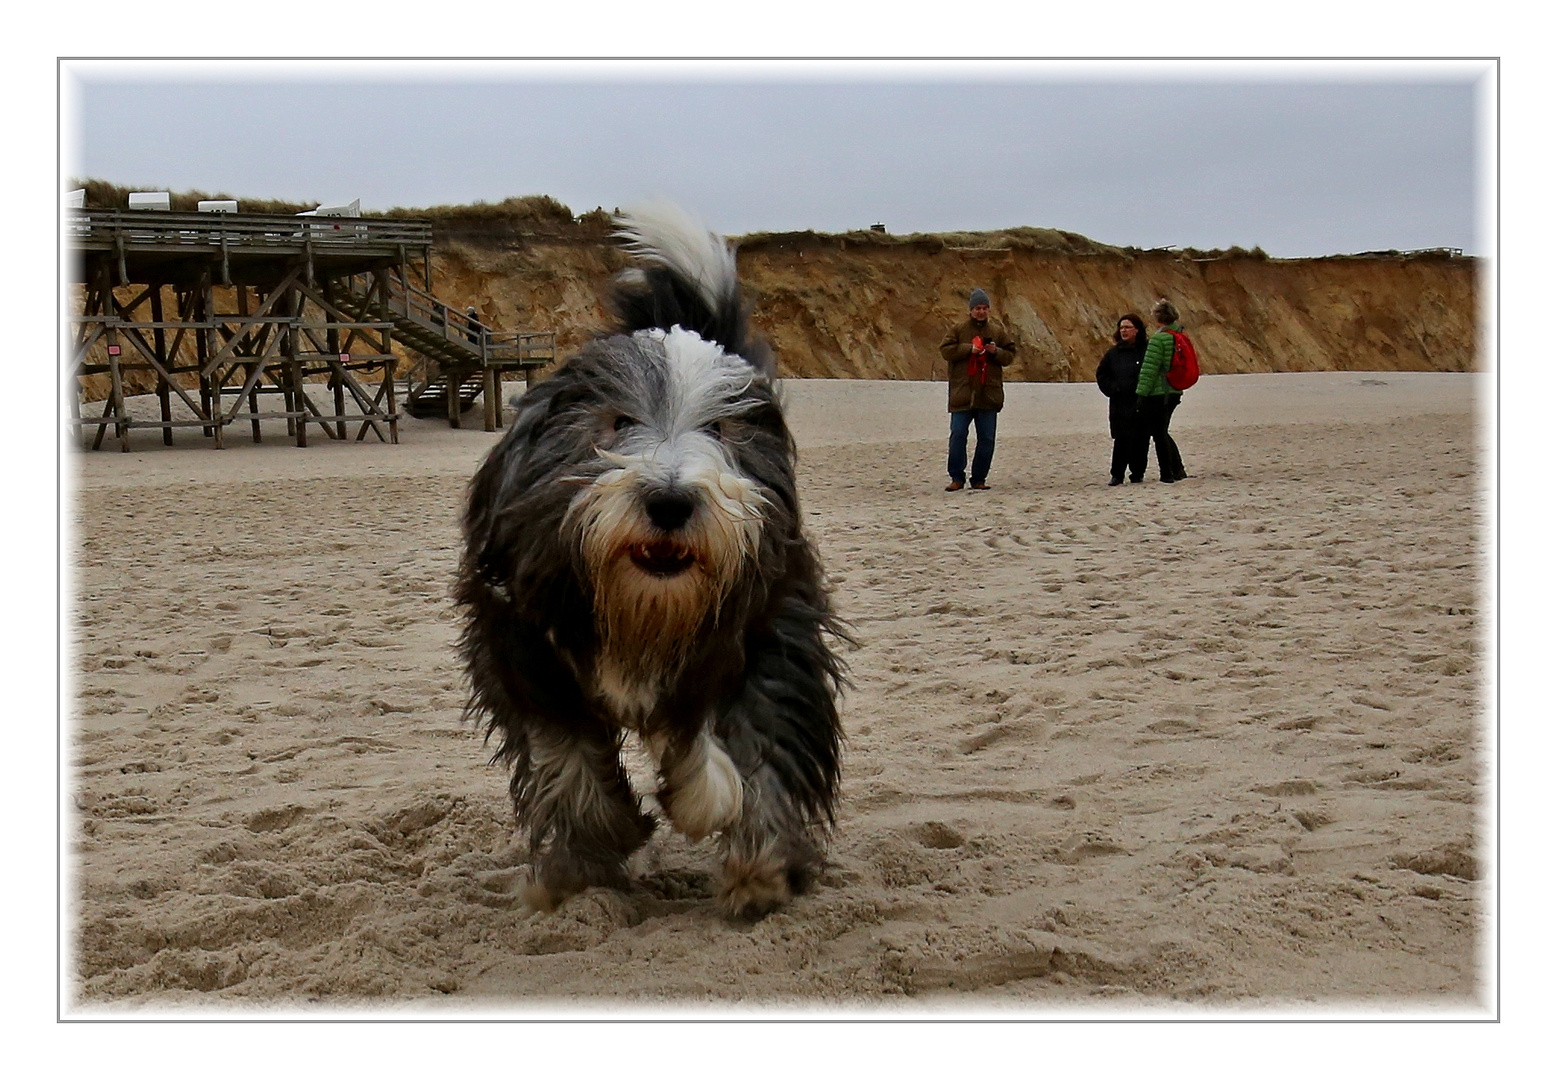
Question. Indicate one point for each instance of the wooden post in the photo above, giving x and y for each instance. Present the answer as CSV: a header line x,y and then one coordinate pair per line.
x,y
122,426
161,347
248,370
386,341
491,385
204,312
75,409
218,428
253,401
340,406
160,344
332,338
389,395
105,300
294,306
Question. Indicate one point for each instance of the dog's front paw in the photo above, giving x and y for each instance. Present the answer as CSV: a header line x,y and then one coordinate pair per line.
x,y
563,874
536,897
750,888
705,795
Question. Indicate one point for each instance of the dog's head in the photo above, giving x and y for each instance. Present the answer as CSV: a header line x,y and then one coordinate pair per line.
x,y
666,519
661,467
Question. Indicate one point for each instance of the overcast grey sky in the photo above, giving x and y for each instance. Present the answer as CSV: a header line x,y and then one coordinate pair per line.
x,y
1299,167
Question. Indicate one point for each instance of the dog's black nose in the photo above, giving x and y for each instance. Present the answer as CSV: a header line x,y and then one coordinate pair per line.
x,y
669,511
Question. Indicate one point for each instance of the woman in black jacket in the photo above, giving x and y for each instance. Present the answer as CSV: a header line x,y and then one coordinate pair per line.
x,y
1116,376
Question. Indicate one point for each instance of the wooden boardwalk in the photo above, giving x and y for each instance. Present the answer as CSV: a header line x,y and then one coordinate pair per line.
x,y
226,309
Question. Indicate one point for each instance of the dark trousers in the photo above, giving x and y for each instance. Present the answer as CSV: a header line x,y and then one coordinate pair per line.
x,y
1130,452
983,422
1155,415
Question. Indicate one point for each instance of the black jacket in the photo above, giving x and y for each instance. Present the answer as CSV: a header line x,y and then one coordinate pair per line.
x,y
1116,376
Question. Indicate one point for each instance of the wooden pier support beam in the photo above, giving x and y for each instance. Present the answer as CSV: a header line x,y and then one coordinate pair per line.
x,y
122,426
160,347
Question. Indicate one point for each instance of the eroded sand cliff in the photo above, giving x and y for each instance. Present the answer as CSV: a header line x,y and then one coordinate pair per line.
x,y
875,306
870,306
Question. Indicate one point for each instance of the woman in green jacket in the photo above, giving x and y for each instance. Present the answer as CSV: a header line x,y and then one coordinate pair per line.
x,y
1155,400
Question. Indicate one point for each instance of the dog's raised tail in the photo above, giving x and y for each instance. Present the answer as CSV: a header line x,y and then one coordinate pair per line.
x,y
685,277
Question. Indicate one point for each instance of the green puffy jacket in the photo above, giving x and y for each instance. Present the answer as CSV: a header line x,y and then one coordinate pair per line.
x,y
1153,381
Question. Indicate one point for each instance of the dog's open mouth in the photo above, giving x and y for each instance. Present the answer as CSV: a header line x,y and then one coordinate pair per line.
x,y
662,558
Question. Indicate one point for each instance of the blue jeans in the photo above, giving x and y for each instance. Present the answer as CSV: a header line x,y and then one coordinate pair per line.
x,y
983,422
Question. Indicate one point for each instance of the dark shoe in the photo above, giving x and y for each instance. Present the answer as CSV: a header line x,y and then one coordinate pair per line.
x,y
1137,479
955,485
1170,479
979,485
1115,481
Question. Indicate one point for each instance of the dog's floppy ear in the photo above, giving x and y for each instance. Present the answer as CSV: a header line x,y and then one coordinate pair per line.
x,y
492,519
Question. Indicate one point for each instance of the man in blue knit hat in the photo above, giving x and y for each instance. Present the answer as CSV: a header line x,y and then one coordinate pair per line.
x,y
975,351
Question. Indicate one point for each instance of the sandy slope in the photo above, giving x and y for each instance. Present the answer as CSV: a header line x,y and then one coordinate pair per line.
x,y
1222,742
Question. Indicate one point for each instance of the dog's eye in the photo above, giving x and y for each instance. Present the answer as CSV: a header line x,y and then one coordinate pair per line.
x,y
624,422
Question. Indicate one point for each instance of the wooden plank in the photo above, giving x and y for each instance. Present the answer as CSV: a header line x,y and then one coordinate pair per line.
x,y
89,421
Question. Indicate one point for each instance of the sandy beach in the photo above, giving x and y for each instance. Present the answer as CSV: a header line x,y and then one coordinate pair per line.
x,y
1215,745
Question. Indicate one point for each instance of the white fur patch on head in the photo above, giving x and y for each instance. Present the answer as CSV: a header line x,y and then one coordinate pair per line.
x,y
704,382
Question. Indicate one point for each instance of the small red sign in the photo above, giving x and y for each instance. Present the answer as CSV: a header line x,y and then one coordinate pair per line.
x,y
345,356
113,350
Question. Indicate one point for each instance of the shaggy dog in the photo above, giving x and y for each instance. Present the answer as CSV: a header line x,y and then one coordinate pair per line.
x,y
634,562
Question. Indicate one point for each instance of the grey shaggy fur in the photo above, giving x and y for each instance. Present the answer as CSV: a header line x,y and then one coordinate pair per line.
x,y
649,450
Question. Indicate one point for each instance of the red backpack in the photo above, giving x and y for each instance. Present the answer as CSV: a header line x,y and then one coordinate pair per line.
x,y
1184,369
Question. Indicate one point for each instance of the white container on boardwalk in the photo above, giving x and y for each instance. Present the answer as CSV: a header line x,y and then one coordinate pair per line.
x,y
334,230
217,206
75,200
148,200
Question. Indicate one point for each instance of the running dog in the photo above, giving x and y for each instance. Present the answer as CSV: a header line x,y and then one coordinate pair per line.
x,y
634,563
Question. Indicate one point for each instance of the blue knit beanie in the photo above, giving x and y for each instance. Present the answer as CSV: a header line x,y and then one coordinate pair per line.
x,y
978,297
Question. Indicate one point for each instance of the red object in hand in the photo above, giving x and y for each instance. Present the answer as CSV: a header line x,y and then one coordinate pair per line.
x,y
977,364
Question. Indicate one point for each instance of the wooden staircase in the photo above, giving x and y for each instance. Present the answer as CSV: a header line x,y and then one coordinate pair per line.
x,y
462,354
431,397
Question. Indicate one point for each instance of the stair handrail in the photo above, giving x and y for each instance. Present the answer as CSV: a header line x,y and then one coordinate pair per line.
x,y
455,326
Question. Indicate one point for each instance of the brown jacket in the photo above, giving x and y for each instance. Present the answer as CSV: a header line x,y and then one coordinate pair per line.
x,y
961,391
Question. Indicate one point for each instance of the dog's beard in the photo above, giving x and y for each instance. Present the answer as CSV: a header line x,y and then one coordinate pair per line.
x,y
647,624
657,593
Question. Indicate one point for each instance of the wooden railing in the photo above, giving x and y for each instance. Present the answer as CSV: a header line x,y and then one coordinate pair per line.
x,y
520,345
457,327
108,229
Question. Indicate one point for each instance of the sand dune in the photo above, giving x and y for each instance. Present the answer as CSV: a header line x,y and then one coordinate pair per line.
x,y
1221,743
